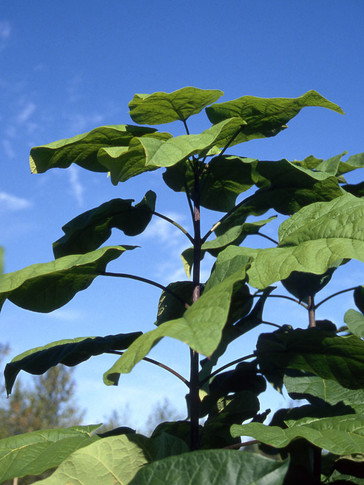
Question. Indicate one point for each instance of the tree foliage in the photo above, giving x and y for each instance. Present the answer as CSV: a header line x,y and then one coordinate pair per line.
x,y
321,228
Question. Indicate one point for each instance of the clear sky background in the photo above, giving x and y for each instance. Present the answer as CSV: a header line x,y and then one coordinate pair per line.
x,y
67,67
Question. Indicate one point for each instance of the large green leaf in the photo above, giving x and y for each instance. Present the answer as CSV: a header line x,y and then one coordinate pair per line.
x,y
218,467
200,327
339,434
301,385
161,150
33,453
159,108
355,322
311,241
68,352
266,116
109,461
312,350
83,149
126,162
45,287
89,230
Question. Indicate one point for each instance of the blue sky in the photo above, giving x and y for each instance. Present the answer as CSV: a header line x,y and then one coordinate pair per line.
x,y
67,67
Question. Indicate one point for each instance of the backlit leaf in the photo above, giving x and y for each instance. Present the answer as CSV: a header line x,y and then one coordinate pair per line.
x,y
265,117
33,453
108,461
160,107
83,149
338,434
311,241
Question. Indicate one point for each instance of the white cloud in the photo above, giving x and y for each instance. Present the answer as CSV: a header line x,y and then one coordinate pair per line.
x,y
8,148
165,231
11,202
5,31
76,186
65,315
26,113
80,123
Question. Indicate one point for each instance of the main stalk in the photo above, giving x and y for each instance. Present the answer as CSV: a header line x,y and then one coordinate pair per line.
x,y
194,356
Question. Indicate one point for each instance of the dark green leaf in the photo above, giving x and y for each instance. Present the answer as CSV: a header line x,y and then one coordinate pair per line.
x,y
46,286
265,117
223,179
359,297
33,453
159,108
303,285
312,350
83,149
225,467
69,352
227,411
170,307
89,230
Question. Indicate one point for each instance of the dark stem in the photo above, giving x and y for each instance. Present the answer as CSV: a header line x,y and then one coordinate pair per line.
x,y
220,369
311,312
230,141
236,446
335,294
186,127
271,324
144,280
267,237
194,356
171,221
159,364
285,297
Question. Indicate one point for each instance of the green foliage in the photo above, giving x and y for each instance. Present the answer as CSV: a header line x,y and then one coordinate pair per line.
x,y
321,228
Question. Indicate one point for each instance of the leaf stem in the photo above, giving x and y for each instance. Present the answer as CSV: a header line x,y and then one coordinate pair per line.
x,y
271,324
174,223
285,297
159,364
335,294
230,141
267,237
186,126
144,280
217,371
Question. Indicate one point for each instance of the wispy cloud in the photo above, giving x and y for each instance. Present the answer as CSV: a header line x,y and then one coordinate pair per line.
x,y
12,202
26,112
80,122
65,315
77,188
5,31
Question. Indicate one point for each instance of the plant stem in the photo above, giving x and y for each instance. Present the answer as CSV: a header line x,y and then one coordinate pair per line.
x,y
194,357
171,221
267,237
311,312
144,280
159,364
335,294
286,298
220,369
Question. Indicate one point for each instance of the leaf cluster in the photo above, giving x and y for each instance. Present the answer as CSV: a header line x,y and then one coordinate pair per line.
x,y
321,228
